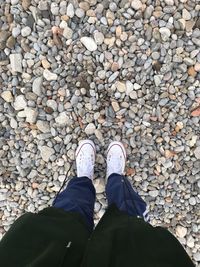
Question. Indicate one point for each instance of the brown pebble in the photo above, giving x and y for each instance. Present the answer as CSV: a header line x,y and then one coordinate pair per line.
x,y
46,64
84,5
157,66
153,118
24,46
26,4
157,14
35,185
118,31
172,97
115,66
56,33
10,42
65,18
196,112
9,18
91,13
191,71
48,110
3,38
57,30
197,24
130,172
189,25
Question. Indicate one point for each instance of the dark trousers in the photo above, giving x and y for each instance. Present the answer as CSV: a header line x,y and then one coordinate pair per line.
x,y
79,196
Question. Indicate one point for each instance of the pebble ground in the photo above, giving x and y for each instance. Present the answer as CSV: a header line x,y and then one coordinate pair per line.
x,y
105,70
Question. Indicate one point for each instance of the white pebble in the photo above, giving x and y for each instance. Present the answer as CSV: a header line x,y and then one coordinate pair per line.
x,y
99,185
67,33
26,31
99,37
133,95
113,77
197,256
165,33
158,79
7,96
20,102
129,87
37,86
14,2
62,119
43,126
169,2
19,186
154,193
80,13
186,14
13,123
136,86
181,231
31,115
16,31
192,201
46,152
90,129
70,10
54,9
89,43
16,62
190,242
49,76
136,4
197,152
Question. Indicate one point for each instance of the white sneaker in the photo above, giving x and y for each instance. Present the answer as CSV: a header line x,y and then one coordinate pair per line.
x,y
85,159
116,158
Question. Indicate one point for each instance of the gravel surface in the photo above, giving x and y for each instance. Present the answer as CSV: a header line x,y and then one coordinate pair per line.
x,y
105,70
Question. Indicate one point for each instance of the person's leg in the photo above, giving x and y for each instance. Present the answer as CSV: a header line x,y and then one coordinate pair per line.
x,y
79,196
119,190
